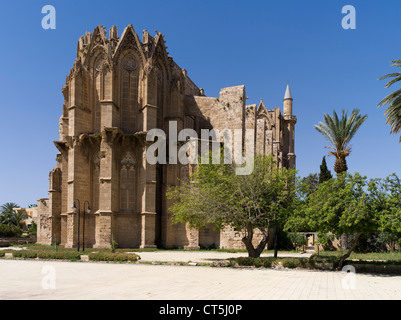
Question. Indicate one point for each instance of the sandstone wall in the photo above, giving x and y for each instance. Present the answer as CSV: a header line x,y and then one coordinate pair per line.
x,y
44,227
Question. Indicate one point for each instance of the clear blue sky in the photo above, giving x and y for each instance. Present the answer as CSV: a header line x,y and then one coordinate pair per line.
x,y
221,43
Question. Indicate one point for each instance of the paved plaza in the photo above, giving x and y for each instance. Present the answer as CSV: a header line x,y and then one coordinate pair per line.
x,y
35,279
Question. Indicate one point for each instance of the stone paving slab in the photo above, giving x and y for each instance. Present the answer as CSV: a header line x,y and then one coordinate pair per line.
x,y
37,280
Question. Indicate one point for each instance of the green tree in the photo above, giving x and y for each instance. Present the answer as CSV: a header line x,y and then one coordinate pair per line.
x,y
393,100
33,229
325,173
389,195
339,133
307,185
216,195
345,205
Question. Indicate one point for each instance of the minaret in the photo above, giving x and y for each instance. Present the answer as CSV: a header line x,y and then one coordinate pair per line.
x,y
290,121
288,102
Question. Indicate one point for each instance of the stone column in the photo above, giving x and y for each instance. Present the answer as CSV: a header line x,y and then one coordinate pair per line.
x,y
108,197
147,172
78,192
149,114
62,159
55,204
71,217
147,178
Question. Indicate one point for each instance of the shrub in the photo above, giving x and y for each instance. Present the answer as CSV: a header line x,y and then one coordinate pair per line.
x,y
298,240
258,262
291,263
59,255
376,242
10,231
116,257
268,262
33,229
284,241
290,240
314,259
114,246
25,254
253,262
245,261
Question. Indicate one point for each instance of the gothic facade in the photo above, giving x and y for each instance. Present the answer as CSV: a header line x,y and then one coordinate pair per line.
x,y
119,88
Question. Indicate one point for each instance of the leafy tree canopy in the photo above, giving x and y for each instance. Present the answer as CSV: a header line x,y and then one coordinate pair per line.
x,y
350,204
216,195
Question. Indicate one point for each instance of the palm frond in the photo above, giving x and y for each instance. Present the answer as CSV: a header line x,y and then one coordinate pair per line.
x,y
396,79
391,75
325,131
340,131
396,63
393,115
393,101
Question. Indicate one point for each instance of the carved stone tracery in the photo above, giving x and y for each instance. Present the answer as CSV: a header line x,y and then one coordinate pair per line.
x,y
129,64
128,161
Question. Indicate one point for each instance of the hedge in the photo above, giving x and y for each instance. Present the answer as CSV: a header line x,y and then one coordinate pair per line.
x,y
292,263
270,261
116,257
59,255
25,254
30,254
253,262
72,255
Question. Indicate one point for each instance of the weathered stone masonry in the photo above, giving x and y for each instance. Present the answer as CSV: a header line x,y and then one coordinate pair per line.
x,y
118,89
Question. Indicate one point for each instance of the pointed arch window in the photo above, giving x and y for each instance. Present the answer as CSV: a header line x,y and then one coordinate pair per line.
x,y
127,183
129,94
98,93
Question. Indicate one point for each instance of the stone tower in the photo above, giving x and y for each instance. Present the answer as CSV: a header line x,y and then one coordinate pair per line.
x,y
290,121
119,88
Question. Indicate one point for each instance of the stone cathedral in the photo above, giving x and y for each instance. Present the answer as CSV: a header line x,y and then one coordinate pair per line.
x,y
118,89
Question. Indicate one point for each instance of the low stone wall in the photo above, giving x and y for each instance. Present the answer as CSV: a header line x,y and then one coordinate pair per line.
x,y
6,242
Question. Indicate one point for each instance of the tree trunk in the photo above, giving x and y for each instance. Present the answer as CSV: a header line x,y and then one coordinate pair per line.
x,y
247,240
340,165
344,241
346,256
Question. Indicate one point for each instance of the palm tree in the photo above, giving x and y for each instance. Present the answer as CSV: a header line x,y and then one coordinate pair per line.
x,y
393,100
9,216
339,132
8,207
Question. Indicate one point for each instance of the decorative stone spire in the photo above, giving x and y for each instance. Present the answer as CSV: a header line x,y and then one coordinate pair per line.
x,y
288,102
288,93
113,34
